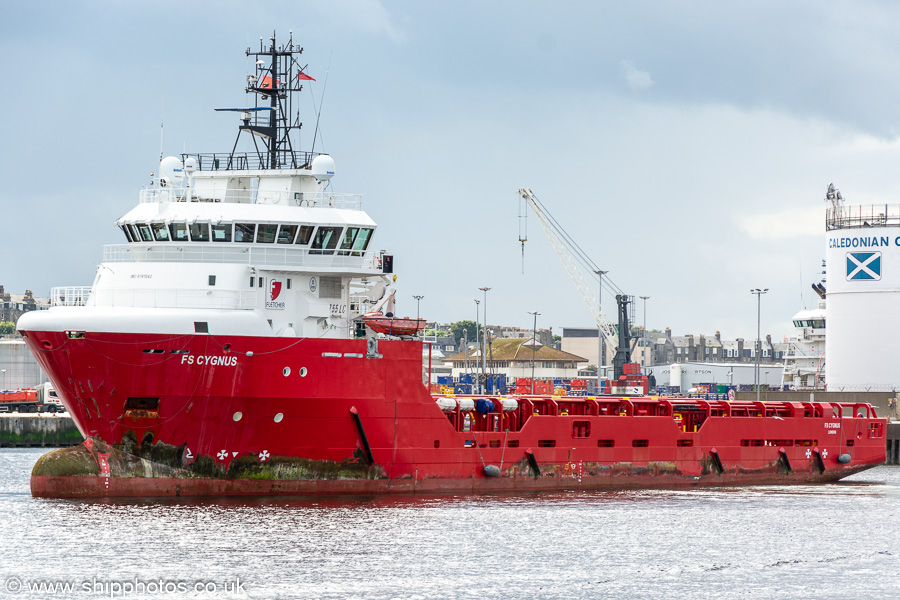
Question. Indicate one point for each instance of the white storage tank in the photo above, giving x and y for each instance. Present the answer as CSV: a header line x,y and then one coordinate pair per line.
x,y
862,329
675,376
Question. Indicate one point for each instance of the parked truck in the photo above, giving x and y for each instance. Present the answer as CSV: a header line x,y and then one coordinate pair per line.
x,y
42,399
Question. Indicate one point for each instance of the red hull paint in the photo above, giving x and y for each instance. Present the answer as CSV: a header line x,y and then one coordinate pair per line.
x,y
218,402
137,487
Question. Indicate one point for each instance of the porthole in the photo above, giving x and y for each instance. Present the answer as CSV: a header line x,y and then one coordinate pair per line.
x,y
279,417
286,371
303,371
237,416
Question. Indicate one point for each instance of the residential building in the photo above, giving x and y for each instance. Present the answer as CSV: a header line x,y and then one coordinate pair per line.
x,y
520,358
13,306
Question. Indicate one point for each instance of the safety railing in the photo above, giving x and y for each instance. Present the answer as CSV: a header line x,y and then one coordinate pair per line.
x,y
232,253
862,216
70,295
302,199
240,161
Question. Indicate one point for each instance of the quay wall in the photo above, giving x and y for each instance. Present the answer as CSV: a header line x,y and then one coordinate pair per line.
x,y
38,431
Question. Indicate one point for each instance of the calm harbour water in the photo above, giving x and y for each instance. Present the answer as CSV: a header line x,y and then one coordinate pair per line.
x,y
829,541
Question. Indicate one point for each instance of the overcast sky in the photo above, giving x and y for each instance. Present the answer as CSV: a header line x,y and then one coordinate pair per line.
x,y
686,146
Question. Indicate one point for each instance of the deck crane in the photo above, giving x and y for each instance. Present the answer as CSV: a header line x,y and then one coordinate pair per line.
x,y
575,261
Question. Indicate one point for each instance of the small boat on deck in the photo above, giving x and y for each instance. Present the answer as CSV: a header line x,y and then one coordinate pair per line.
x,y
382,323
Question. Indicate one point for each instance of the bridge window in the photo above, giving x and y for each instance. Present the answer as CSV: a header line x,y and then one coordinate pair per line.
x,y
199,232
362,240
349,236
221,233
179,232
265,234
305,234
286,234
144,230
160,232
326,240
126,232
244,232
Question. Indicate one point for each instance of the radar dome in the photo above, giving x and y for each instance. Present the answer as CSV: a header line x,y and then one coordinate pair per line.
x,y
171,169
323,167
190,165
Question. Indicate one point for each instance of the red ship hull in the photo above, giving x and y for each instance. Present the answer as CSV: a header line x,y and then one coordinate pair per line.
x,y
286,416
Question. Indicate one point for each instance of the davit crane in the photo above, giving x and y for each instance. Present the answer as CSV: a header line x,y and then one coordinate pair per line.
x,y
575,262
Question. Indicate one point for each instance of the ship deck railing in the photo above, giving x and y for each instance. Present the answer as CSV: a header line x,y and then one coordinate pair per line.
x,y
242,161
70,295
690,414
252,196
154,298
862,216
238,253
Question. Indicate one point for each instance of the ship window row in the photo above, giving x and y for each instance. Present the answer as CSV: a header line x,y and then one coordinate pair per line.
x,y
814,323
321,240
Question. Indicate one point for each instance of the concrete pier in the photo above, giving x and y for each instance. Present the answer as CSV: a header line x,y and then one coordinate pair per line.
x,y
38,431
893,443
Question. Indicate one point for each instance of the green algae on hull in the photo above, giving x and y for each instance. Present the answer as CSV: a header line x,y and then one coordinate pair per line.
x,y
166,461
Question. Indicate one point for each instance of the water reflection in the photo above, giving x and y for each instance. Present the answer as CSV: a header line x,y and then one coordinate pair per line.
x,y
773,541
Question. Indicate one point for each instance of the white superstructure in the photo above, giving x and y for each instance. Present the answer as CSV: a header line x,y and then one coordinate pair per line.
x,y
804,360
863,273
239,243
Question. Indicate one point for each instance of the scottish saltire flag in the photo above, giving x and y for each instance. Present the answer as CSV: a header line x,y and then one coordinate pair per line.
x,y
863,266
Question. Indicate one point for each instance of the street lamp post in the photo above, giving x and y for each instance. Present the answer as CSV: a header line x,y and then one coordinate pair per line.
x,y
466,349
485,340
644,351
600,275
418,300
759,294
477,302
533,344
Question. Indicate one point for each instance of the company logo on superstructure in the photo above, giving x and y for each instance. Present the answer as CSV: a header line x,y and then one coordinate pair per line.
x,y
863,266
274,292
865,241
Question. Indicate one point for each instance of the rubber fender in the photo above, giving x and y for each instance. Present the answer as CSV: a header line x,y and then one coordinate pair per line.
x,y
492,470
844,458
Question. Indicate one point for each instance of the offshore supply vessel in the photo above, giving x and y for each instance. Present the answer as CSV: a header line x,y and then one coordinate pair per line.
x,y
242,342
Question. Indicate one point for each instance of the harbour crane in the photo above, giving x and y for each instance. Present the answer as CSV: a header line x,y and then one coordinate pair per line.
x,y
575,262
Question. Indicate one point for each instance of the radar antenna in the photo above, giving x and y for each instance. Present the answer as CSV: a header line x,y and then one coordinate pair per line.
x,y
833,195
277,78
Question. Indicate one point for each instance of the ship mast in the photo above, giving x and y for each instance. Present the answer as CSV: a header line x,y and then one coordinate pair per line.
x,y
277,78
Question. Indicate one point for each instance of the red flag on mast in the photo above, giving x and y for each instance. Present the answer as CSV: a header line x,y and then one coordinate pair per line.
x,y
304,76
